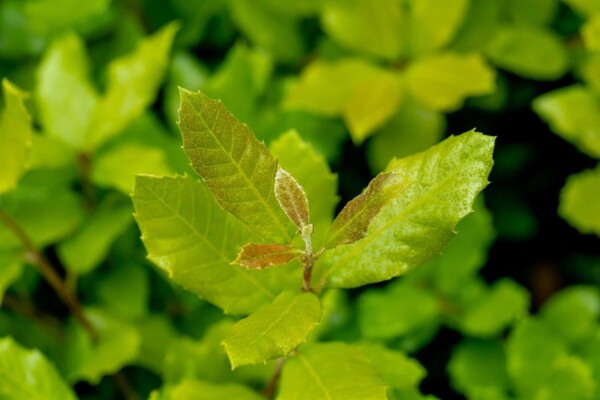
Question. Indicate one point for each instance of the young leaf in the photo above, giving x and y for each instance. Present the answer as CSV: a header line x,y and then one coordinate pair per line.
x,y
438,190
15,136
188,235
275,330
11,270
133,81
333,371
292,198
352,222
313,174
259,256
27,374
236,167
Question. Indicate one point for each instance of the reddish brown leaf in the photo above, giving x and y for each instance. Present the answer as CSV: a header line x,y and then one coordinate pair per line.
x,y
352,222
259,256
291,198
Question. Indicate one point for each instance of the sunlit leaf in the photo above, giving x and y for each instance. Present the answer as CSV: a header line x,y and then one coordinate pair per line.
x,y
197,390
573,112
236,167
443,81
275,330
15,136
334,371
291,197
438,188
188,235
27,374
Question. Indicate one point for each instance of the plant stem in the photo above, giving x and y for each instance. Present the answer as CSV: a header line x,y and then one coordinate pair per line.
x,y
269,390
35,257
85,165
309,260
123,385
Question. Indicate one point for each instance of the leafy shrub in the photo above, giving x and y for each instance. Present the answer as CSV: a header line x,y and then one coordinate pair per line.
x,y
279,255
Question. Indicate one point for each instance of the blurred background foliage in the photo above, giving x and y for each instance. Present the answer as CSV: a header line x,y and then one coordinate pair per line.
x,y
510,310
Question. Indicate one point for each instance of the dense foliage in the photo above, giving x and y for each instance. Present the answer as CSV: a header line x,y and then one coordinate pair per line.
x,y
310,234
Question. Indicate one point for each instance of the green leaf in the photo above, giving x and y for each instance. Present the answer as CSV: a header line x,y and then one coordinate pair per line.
x,y
530,51
443,81
505,303
386,314
396,369
573,312
157,334
465,254
51,16
314,175
132,83
579,199
50,152
589,7
117,346
365,95
570,378
532,350
65,96
16,37
84,251
535,12
15,136
46,214
113,168
236,167
125,291
480,23
573,113
352,222
478,365
412,129
374,28
11,268
27,374
259,256
433,23
291,197
196,390
188,235
590,71
275,330
438,189
267,27
333,371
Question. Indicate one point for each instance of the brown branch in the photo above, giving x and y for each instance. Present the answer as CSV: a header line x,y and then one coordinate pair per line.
x,y
121,383
271,387
35,257
85,166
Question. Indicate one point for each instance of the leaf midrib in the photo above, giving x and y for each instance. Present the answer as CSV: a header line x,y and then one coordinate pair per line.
x,y
249,182
283,314
315,376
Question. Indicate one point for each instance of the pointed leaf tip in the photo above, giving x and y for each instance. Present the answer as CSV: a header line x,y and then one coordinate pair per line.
x,y
292,198
259,256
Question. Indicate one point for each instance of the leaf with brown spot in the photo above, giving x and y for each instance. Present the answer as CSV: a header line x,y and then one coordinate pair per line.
x,y
291,198
259,256
352,222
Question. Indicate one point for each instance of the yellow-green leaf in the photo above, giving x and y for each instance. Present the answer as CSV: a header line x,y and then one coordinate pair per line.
x,y
332,371
443,81
198,390
579,200
237,168
438,187
15,136
275,330
27,374
189,236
